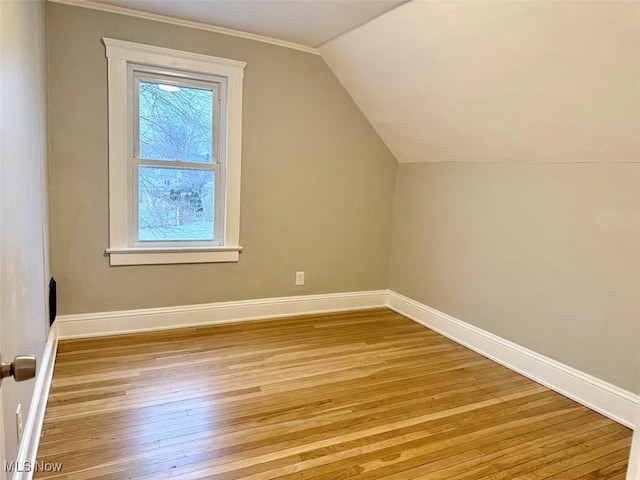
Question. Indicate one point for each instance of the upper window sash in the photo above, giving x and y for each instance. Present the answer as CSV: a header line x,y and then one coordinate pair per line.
x,y
216,85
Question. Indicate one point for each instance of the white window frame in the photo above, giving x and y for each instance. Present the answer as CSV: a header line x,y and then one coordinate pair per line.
x,y
123,249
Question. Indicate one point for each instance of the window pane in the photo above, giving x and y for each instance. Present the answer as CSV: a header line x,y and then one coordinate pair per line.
x,y
176,122
175,204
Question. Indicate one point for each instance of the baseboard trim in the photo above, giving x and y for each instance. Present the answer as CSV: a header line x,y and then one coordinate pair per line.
x,y
130,321
33,426
605,398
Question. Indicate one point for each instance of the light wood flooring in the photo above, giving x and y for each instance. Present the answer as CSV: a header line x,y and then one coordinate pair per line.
x,y
366,395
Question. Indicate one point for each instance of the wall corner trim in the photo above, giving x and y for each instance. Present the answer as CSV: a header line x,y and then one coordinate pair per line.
x,y
605,398
129,321
33,426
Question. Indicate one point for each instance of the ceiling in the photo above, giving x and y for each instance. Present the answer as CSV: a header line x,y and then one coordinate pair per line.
x,y
496,81
306,22
464,80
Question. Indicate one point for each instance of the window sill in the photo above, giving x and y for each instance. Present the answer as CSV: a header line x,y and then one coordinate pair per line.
x,y
164,256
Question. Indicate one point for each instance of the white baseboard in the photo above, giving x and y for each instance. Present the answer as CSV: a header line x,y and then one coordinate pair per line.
x,y
128,321
614,402
28,449
609,400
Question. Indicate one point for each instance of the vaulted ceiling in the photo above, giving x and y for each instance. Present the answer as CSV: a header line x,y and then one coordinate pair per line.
x,y
498,81
473,81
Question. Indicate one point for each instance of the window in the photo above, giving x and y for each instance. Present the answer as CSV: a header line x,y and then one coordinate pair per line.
x,y
175,123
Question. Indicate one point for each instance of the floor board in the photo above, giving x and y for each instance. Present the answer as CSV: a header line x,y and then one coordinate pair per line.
x,y
366,394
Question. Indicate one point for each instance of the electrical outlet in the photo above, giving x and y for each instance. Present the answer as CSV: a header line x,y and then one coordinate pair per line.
x,y
19,423
299,278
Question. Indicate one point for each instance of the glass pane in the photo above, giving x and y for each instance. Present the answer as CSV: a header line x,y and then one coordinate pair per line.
x,y
175,204
176,122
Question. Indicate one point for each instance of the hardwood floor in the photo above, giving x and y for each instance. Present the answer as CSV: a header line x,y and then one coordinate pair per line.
x,y
366,394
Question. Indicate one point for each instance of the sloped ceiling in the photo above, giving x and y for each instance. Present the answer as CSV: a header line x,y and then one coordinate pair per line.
x,y
498,81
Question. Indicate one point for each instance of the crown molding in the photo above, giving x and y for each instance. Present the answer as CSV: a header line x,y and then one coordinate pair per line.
x,y
103,7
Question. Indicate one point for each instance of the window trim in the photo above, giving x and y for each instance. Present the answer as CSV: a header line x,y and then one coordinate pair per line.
x,y
120,54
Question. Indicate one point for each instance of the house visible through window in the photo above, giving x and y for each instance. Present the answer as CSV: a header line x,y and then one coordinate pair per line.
x,y
174,155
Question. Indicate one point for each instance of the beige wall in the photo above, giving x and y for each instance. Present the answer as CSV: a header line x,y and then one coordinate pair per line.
x,y
24,269
545,255
317,182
